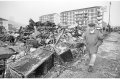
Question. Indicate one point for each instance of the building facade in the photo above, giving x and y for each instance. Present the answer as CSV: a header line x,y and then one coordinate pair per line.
x,y
55,18
4,23
82,17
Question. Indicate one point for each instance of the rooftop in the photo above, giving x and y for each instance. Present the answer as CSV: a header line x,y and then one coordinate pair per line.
x,y
82,8
48,14
3,19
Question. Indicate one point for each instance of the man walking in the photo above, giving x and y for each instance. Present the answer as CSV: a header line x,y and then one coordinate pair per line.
x,y
93,39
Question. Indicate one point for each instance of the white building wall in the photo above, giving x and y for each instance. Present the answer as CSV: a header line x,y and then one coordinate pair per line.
x,y
56,19
5,24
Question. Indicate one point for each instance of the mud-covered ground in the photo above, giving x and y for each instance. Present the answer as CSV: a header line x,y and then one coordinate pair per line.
x,y
107,64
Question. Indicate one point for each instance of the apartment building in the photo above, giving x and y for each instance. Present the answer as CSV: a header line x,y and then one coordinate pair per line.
x,y
55,18
82,16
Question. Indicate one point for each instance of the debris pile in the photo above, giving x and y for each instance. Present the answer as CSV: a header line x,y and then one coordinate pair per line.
x,y
38,44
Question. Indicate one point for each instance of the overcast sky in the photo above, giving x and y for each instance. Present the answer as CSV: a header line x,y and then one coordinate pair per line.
x,y
22,11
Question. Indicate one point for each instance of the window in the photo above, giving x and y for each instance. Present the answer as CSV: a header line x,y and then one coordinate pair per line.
x,y
92,14
95,9
92,10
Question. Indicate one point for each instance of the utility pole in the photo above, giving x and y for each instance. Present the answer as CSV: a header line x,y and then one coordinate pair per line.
x,y
109,17
109,12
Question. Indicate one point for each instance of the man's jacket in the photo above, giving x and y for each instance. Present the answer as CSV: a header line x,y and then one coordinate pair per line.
x,y
93,40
